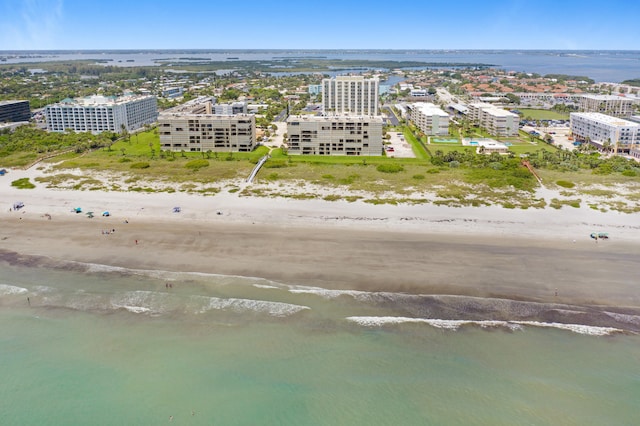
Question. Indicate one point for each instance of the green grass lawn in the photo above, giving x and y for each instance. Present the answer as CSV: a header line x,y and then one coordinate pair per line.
x,y
543,114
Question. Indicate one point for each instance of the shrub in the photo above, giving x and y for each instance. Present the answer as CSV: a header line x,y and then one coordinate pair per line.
x,y
196,165
124,160
140,165
565,184
23,183
390,168
418,177
275,164
433,171
629,173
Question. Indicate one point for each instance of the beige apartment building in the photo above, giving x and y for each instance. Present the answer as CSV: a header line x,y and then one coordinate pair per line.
x,y
193,127
337,135
496,121
350,95
618,106
429,118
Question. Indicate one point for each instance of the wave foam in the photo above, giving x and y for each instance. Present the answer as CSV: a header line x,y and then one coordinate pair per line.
x,y
576,328
277,309
330,294
511,325
6,290
437,323
135,309
265,286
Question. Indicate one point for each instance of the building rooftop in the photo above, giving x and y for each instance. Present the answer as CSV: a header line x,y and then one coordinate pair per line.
x,y
9,102
98,100
606,97
604,118
427,108
330,118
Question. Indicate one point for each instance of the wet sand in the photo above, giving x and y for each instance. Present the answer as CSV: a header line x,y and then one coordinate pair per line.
x,y
528,269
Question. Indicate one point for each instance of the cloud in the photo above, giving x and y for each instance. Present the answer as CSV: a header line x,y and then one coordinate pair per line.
x,y
31,24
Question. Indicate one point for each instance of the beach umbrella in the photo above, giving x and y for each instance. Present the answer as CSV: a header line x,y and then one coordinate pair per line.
x,y
106,214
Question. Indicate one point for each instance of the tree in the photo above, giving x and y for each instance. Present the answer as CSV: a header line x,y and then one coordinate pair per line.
x,y
125,132
513,98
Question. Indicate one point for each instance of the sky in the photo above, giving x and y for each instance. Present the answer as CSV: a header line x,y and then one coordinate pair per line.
x,y
326,24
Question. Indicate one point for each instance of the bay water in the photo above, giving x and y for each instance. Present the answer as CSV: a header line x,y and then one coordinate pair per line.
x,y
89,344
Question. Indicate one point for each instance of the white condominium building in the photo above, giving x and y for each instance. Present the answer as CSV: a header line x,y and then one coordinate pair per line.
x,y
100,113
496,121
599,129
194,127
337,135
429,118
350,95
619,106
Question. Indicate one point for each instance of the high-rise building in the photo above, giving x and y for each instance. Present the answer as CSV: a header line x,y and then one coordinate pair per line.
x,y
14,111
350,95
100,113
599,129
334,135
194,126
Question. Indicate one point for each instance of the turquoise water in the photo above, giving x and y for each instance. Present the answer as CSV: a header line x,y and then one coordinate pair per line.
x,y
101,346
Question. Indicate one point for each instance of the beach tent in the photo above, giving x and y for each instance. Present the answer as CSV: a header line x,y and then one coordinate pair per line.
x,y
106,214
78,210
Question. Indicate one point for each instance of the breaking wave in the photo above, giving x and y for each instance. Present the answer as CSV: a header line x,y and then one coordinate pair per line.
x,y
511,325
6,290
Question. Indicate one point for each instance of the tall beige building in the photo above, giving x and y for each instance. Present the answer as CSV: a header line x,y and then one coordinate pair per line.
x,y
193,127
350,95
337,135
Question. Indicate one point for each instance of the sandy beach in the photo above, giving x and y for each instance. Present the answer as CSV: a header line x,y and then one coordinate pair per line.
x,y
530,255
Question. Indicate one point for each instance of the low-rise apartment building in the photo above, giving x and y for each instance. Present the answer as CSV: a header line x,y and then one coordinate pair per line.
x,y
334,135
195,127
496,121
98,114
429,118
618,106
599,129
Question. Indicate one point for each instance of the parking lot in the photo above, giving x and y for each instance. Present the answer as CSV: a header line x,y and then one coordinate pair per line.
x,y
398,147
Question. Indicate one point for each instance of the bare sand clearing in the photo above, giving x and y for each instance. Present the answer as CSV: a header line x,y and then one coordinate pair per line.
x,y
537,255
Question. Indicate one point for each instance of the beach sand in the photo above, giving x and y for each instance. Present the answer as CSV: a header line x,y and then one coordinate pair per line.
x,y
528,255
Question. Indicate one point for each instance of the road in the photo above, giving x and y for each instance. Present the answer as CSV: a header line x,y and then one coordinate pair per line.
x,y
393,119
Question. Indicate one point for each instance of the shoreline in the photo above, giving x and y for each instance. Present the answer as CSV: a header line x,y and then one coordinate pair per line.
x,y
542,255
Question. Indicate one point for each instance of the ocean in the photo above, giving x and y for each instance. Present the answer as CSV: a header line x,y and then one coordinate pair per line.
x,y
92,344
600,65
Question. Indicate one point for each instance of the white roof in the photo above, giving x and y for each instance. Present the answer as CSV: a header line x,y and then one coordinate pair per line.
x,y
604,118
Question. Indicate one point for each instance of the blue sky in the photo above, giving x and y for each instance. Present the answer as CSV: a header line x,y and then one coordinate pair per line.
x,y
328,24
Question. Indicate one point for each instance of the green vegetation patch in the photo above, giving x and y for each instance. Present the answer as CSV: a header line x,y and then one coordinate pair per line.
x,y
196,165
565,184
390,168
23,183
542,114
140,165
